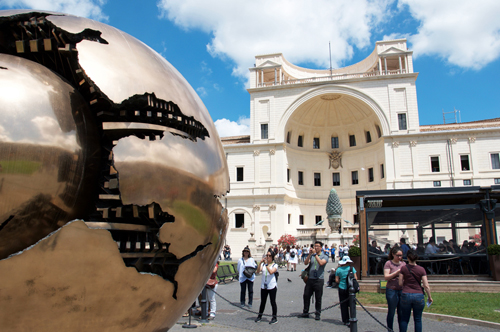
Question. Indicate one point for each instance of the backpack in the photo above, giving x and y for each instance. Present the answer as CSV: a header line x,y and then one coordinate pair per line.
x,y
292,254
350,277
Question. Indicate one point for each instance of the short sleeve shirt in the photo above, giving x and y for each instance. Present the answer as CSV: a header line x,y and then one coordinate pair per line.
x,y
317,271
342,272
410,285
394,282
267,278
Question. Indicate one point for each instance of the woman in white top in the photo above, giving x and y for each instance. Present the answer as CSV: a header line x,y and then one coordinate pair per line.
x,y
245,282
294,259
268,286
287,258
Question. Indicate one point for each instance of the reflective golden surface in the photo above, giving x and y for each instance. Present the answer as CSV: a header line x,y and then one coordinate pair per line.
x,y
96,126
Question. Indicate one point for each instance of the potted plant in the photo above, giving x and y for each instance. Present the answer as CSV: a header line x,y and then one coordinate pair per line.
x,y
494,257
355,256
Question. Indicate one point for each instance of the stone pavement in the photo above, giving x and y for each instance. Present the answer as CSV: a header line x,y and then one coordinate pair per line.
x,y
289,300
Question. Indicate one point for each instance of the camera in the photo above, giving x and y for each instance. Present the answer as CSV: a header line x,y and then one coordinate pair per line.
x,y
265,286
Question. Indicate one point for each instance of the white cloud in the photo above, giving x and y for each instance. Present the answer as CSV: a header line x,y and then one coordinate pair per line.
x,y
86,8
299,29
202,92
463,32
227,128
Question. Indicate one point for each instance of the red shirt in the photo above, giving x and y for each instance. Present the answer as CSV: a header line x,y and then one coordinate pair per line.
x,y
394,282
410,285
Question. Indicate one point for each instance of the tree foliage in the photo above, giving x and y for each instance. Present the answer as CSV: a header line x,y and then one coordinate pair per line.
x,y
287,240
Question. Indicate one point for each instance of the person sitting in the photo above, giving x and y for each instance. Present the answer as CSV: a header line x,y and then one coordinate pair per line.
x,y
404,247
374,257
431,247
331,280
465,247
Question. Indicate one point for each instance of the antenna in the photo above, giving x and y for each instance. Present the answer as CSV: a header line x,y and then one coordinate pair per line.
x,y
330,47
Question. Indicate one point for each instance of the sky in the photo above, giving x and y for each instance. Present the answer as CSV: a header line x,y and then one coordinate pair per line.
x,y
212,43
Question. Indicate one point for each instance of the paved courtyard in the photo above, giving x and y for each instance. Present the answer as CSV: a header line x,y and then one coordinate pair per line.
x,y
289,299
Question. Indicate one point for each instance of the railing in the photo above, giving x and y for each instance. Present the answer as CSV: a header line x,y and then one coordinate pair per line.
x,y
334,77
308,231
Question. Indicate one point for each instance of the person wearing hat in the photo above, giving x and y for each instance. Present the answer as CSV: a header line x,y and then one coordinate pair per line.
x,y
245,282
341,278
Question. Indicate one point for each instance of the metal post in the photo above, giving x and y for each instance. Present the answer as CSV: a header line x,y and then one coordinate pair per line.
x,y
204,306
352,305
189,325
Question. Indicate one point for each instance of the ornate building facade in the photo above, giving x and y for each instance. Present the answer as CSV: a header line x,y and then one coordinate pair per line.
x,y
353,128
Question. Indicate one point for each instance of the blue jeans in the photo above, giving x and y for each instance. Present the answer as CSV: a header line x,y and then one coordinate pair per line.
x,y
411,301
393,303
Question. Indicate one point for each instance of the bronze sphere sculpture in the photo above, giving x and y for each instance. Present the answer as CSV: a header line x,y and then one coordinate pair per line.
x,y
111,174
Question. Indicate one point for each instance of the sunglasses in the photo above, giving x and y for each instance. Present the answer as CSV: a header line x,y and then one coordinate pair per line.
x,y
399,255
269,255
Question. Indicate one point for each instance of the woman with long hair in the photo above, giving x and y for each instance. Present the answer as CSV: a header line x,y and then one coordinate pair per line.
x,y
410,278
294,258
287,258
245,282
393,291
268,286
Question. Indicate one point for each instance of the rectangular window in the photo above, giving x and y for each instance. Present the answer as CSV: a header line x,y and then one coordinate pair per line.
x,y
352,140
370,174
354,176
464,162
435,164
368,137
495,161
289,218
239,173
301,220
299,141
301,178
317,179
467,182
379,133
318,219
288,137
263,131
402,121
437,183
382,173
288,175
335,142
239,220
497,181
316,143
336,179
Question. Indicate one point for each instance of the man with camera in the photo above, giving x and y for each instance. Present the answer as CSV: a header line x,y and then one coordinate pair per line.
x,y
317,260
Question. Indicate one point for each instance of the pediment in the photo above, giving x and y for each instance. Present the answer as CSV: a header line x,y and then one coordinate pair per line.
x,y
393,50
269,64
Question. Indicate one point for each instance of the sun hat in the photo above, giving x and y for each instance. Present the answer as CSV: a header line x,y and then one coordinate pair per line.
x,y
345,260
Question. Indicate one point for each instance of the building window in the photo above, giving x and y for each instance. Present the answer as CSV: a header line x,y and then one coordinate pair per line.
x,y
288,175
437,183
289,218
288,137
382,173
368,137
495,161
354,176
352,140
497,181
239,220
299,141
379,132
335,142
239,173
370,174
402,121
467,182
435,164
318,219
317,179
336,179
263,131
316,143
464,162
301,219
301,178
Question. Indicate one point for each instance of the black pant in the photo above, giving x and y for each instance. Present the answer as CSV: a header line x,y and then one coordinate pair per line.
x,y
316,286
244,285
344,307
263,300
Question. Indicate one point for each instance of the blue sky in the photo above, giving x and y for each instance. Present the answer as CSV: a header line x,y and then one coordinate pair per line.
x,y
212,43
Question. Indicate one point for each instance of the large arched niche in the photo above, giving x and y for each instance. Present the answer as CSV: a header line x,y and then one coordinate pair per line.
x,y
332,107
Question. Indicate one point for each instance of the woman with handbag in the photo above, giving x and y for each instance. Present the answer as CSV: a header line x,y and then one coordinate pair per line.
x,y
269,286
246,268
341,276
392,290
410,278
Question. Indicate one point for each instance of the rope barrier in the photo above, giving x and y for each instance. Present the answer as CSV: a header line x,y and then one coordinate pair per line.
x,y
369,314
280,316
472,254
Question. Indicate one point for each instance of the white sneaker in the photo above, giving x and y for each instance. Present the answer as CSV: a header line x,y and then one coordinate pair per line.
x,y
211,316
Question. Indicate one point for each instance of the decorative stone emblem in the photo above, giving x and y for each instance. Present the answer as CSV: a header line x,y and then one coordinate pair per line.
x,y
256,152
272,152
413,144
395,144
256,207
335,159
472,139
272,207
453,140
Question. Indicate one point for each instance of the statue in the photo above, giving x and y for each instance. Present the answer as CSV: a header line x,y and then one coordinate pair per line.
x,y
111,174
334,210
